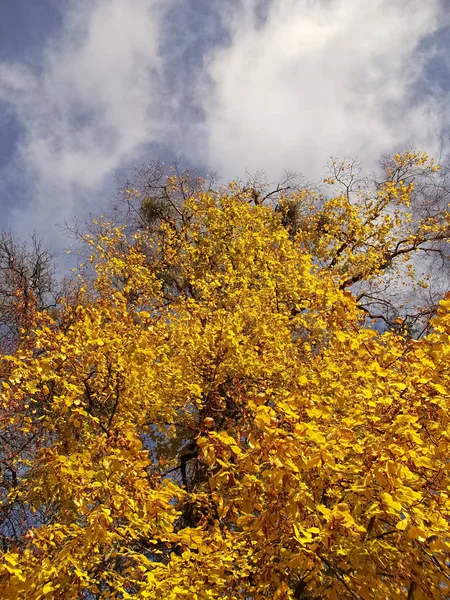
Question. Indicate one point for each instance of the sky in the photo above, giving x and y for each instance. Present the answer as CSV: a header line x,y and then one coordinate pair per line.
x,y
89,87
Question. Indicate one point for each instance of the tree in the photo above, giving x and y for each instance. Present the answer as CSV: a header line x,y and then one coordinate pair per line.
x,y
386,235
27,285
216,418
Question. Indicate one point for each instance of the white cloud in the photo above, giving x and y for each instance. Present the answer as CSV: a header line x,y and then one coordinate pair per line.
x,y
320,78
87,104
312,79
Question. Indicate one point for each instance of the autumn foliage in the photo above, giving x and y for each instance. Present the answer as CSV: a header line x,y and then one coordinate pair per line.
x,y
220,414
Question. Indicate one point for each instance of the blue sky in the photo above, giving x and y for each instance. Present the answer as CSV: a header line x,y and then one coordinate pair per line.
x,y
89,86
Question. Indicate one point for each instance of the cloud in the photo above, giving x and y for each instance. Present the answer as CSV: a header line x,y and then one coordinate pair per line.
x,y
303,80
85,105
227,84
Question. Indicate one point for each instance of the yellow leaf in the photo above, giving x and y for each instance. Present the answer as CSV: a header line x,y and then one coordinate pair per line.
x,y
439,388
390,502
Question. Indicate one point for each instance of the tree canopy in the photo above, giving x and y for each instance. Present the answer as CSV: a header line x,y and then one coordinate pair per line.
x,y
218,414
